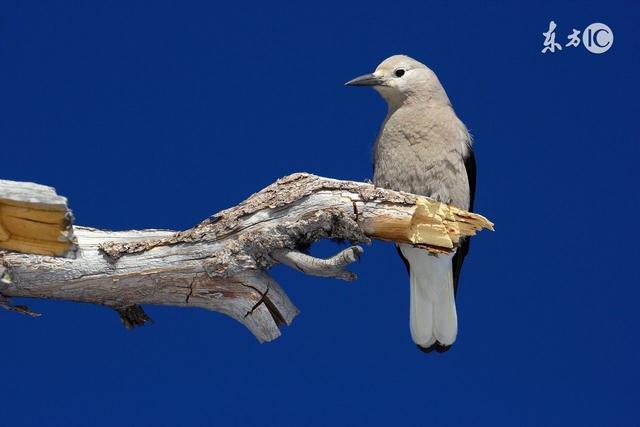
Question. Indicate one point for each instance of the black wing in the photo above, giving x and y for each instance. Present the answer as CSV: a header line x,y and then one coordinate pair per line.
x,y
463,250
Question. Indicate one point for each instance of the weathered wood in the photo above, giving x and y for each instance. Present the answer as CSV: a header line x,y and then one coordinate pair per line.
x,y
221,264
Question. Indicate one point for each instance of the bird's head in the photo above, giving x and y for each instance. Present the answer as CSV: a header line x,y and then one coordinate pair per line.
x,y
401,79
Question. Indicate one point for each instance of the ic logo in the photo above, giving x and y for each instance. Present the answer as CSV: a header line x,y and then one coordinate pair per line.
x,y
597,38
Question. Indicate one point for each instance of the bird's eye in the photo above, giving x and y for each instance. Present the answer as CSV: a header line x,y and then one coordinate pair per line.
x,y
399,72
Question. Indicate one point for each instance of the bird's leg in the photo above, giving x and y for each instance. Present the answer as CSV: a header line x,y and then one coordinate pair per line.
x,y
330,267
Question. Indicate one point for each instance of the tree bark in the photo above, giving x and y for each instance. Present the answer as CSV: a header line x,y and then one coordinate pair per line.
x,y
222,263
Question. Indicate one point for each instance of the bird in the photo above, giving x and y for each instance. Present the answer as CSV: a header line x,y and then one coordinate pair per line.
x,y
424,148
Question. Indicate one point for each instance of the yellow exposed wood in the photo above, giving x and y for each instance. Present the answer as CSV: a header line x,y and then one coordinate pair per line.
x,y
38,247
38,206
50,217
4,234
389,228
437,224
427,226
433,225
34,229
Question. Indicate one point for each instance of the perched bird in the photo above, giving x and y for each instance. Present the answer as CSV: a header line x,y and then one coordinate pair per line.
x,y
425,149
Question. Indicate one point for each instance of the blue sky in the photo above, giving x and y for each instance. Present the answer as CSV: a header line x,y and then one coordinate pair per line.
x,y
158,114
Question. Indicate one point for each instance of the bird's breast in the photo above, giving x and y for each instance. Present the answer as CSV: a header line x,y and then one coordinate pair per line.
x,y
423,157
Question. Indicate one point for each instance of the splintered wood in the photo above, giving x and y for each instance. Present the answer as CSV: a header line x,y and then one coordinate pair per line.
x,y
436,226
35,220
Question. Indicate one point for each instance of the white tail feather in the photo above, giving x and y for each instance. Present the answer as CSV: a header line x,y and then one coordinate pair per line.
x,y
433,307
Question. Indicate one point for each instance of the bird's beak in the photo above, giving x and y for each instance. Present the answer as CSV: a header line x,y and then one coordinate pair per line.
x,y
366,80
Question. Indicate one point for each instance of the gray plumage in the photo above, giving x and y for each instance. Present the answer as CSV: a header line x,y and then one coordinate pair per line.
x,y
422,148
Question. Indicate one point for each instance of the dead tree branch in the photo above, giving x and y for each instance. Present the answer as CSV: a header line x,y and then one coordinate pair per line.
x,y
220,264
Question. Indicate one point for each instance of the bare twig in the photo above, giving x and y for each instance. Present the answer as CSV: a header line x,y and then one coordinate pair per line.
x,y
330,267
6,304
